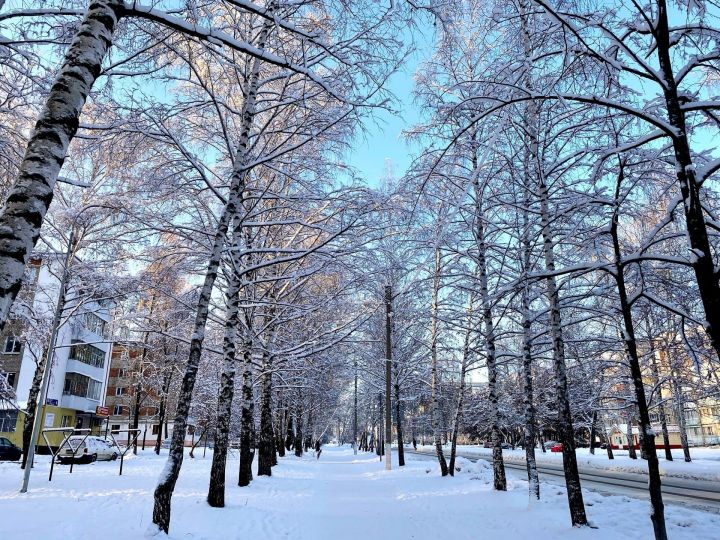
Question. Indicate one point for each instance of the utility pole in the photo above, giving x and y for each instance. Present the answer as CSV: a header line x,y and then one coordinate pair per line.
x,y
42,398
388,376
355,415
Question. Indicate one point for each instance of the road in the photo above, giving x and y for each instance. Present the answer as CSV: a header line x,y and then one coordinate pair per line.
x,y
702,494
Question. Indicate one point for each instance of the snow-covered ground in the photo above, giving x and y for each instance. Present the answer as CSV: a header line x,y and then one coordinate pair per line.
x,y
341,496
705,464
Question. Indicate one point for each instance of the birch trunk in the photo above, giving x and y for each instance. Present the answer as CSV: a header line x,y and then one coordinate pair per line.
x,y
661,405
528,394
679,402
290,437
168,478
32,408
499,480
565,426
705,274
461,391
167,379
298,441
216,488
532,173
265,446
647,436
247,415
398,415
434,382
31,195
632,454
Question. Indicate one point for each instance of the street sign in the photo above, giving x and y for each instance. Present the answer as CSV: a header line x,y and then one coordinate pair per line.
x,y
102,411
52,402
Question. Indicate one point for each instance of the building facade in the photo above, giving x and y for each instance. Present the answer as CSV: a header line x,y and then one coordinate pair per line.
x,y
80,363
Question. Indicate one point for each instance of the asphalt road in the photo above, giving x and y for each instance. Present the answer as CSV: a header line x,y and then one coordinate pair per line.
x,y
696,493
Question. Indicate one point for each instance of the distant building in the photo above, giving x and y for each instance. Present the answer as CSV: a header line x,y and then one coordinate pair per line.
x,y
135,380
80,367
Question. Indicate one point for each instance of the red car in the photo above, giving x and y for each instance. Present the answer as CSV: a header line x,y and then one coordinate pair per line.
x,y
557,447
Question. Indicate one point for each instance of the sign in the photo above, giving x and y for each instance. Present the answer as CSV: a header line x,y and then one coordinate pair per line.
x,y
49,419
53,402
102,411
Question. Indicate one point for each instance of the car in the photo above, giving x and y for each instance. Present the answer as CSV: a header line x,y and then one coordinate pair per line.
x,y
89,450
557,447
487,444
8,451
549,444
505,446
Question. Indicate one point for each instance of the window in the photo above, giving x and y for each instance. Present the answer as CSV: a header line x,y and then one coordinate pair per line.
x,y
117,411
87,354
82,386
94,389
156,429
115,428
121,373
95,324
8,421
12,345
120,391
66,420
10,378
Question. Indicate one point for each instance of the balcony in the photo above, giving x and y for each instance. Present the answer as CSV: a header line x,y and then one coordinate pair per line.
x,y
78,403
76,366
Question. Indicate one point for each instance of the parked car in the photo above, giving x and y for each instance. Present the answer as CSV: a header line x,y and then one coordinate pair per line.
x,y
8,451
549,444
487,444
88,451
505,446
557,447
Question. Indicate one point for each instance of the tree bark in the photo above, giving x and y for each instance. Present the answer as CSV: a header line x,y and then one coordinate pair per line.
x,y
246,422
398,415
298,441
26,204
679,402
461,391
647,438
499,480
167,378
632,454
216,488
265,447
32,408
705,274
166,483
564,421
434,381
661,405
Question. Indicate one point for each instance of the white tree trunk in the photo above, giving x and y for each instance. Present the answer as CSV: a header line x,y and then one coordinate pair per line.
x,y
28,200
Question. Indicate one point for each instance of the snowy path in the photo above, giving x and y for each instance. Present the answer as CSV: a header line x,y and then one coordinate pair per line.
x,y
339,497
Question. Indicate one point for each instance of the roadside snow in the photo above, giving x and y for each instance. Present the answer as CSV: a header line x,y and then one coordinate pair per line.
x,y
705,464
339,496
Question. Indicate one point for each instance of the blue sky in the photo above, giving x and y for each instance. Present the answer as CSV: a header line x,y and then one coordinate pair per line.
x,y
382,139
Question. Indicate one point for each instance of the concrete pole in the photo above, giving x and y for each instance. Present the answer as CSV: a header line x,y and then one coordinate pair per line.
x,y
40,409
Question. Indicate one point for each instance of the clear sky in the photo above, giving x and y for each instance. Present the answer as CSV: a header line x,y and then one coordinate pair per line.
x,y
382,137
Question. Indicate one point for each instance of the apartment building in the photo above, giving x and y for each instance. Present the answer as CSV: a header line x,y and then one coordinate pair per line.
x,y
81,360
